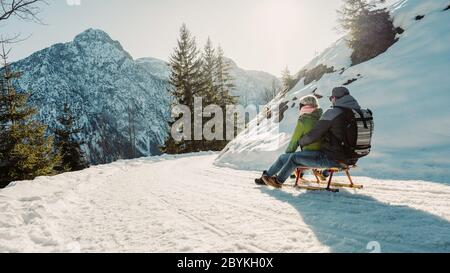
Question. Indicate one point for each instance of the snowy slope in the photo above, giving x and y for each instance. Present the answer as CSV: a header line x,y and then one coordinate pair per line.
x,y
186,204
100,81
407,88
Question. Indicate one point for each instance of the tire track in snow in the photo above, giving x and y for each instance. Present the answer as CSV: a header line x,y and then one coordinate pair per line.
x,y
202,221
222,233
199,193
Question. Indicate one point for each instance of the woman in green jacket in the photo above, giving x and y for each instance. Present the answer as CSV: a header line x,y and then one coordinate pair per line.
x,y
310,113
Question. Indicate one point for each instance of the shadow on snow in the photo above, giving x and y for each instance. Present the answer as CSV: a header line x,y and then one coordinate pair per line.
x,y
348,222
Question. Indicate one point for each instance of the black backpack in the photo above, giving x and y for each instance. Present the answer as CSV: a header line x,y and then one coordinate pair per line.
x,y
359,129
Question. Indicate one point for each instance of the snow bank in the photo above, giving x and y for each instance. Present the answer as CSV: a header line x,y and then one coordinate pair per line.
x,y
406,88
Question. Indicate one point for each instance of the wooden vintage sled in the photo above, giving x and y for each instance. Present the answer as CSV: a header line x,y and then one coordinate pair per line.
x,y
323,185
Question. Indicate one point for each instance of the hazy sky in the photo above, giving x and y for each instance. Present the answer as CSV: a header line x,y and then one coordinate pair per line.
x,y
258,34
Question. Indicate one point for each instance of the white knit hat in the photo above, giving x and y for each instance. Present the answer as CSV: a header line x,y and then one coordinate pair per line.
x,y
310,100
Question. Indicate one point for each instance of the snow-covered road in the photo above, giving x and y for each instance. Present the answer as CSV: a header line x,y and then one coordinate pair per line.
x,y
186,204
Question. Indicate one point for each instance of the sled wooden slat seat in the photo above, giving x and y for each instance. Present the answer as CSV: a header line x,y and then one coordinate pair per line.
x,y
330,185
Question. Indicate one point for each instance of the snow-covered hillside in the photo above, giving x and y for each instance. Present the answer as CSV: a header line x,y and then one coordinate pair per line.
x,y
406,87
103,85
187,204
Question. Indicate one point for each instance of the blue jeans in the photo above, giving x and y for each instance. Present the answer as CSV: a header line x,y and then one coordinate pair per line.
x,y
287,163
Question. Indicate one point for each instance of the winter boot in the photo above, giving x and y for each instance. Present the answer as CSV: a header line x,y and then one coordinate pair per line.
x,y
272,181
260,181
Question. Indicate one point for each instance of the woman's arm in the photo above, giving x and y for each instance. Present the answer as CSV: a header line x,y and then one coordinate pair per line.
x,y
298,133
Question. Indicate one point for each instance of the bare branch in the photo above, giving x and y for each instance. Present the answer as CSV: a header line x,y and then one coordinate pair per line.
x,y
13,39
27,10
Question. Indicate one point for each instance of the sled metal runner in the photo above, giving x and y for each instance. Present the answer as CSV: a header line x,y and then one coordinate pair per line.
x,y
330,185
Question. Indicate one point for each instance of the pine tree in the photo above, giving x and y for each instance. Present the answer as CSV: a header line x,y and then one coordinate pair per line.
x,y
218,81
25,151
203,75
186,66
371,30
352,10
218,84
186,81
225,85
67,145
210,93
287,79
225,82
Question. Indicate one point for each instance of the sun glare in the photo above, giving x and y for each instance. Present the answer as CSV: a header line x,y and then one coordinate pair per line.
x,y
278,18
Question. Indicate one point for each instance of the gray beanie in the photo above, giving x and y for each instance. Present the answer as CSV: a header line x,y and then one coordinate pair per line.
x,y
310,100
339,92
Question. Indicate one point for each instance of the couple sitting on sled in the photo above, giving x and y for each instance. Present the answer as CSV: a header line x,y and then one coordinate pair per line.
x,y
321,138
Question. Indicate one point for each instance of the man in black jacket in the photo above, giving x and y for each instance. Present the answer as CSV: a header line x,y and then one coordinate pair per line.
x,y
331,129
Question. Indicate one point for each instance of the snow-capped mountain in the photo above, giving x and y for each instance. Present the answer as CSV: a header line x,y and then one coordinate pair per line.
x,y
156,67
250,85
122,108
407,88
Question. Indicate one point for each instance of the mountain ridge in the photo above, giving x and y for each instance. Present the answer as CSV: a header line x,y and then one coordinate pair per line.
x,y
95,74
